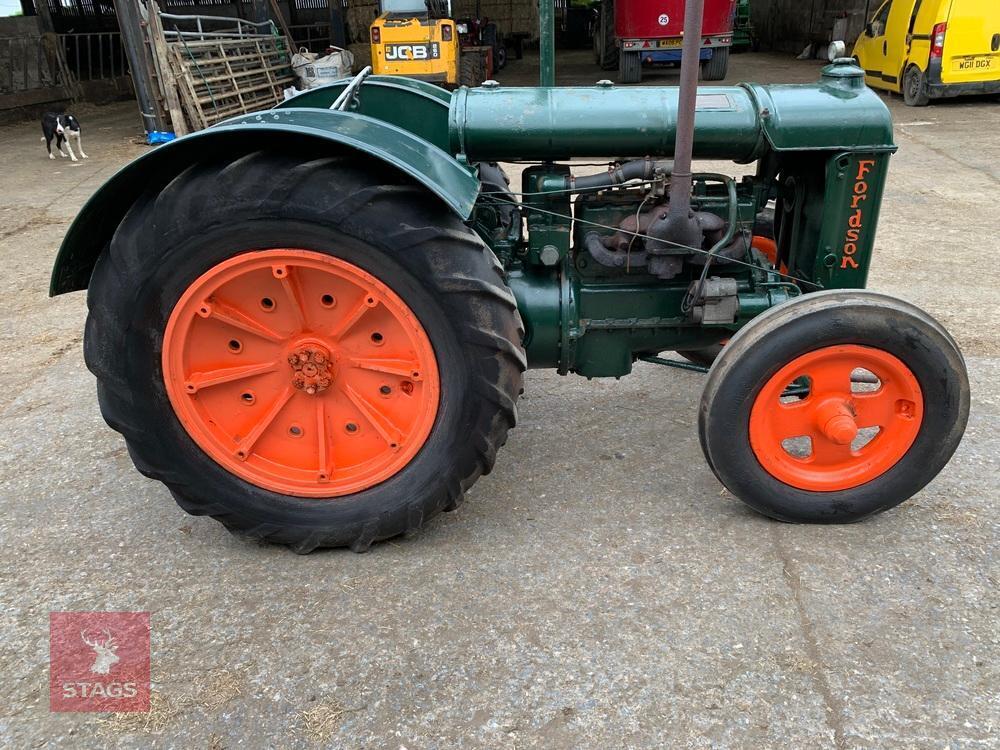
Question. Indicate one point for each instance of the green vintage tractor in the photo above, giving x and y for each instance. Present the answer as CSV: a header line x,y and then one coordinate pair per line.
x,y
312,323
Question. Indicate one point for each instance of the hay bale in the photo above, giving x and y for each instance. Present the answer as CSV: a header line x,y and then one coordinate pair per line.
x,y
362,54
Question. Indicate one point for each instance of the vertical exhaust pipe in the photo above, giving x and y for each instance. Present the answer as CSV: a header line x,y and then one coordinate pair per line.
x,y
680,185
680,227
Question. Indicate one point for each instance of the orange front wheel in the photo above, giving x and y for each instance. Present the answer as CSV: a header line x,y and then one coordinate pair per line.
x,y
834,406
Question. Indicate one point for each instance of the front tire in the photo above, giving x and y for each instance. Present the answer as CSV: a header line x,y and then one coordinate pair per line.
x,y
793,423
166,349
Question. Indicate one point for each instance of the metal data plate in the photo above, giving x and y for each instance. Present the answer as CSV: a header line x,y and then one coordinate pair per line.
x,y
714,101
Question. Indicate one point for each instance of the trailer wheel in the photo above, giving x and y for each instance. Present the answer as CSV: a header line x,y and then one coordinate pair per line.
x,y
313,352
833,407
915,88
716,68
629,67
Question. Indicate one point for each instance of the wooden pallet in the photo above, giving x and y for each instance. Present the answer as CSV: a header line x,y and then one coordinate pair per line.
x,y
221,78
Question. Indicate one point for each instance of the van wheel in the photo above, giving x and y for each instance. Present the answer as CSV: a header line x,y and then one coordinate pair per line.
x,y
915,87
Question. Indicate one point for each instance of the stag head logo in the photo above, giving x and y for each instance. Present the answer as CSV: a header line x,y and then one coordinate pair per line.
x,y
104,651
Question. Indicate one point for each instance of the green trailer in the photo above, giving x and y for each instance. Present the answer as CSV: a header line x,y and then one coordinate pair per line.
x,y
312,323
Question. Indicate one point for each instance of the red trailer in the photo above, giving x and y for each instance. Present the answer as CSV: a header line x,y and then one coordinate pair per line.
x,y
631,33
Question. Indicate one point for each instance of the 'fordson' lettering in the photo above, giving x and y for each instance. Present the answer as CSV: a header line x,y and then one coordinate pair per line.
x,y
855,222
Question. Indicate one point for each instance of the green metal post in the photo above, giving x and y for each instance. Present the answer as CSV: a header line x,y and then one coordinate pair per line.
x,y
546,43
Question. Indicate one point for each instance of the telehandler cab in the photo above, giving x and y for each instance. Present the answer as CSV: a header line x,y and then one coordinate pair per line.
x,y
312,323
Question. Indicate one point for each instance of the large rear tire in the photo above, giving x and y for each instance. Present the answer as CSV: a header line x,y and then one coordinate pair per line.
x,y
471,68
605,47
277,259
833,407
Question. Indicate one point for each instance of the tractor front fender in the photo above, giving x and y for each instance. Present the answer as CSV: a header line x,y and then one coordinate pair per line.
x,y
307,132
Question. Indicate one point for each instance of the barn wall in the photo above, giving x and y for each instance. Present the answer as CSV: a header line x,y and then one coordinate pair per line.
x,y
509,15
789,25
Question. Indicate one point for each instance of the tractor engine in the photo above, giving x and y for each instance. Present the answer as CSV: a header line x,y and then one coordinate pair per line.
x,y
612,266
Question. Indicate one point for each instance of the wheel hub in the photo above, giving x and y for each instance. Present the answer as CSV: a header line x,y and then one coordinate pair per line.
x,y
835,420
312,368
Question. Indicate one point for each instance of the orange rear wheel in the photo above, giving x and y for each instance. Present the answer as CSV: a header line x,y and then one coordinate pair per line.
x,y
300,372
834,417
311,350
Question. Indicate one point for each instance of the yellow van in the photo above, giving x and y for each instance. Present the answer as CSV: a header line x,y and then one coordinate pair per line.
x,y
928,49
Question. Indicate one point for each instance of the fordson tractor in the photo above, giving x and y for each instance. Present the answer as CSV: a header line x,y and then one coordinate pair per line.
x,y
312,323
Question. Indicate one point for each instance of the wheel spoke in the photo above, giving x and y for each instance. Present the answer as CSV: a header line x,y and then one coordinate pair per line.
x,y
829,379
205,379
405,368
245,447
352,317
794,420
874,409
325,462
825,452
383,425
291,289
227,313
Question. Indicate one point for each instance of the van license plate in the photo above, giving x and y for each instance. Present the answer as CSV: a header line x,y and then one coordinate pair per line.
x,y
974,63
400,52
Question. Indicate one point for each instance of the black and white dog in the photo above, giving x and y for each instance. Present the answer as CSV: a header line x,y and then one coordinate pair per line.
x,y
62,127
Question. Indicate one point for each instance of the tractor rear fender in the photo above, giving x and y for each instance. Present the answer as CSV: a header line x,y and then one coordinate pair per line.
x,y
307,132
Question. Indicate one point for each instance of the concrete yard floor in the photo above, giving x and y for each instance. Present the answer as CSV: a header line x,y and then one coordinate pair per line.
x,y
599,589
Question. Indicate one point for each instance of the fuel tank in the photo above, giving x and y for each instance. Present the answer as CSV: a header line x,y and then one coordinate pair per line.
x,y
739,123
